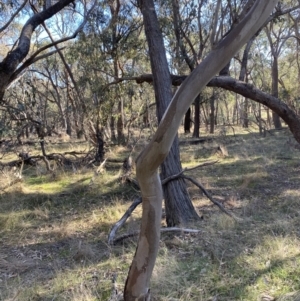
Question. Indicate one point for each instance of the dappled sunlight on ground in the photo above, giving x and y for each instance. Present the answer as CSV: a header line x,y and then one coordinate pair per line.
x,y
54,229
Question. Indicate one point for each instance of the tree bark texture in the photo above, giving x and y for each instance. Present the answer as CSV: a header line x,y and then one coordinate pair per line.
x,y
138,280
179,208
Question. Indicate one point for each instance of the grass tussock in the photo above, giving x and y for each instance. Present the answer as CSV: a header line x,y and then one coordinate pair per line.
x,y
54,227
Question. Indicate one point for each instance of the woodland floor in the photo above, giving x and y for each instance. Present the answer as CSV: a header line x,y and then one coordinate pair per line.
x,y
53,228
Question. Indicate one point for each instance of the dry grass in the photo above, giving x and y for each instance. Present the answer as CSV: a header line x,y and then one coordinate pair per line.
x,y
53,228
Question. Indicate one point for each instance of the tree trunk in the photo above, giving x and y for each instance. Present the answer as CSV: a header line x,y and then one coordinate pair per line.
x,y
112,129
187,121
146,122
120,123
178,205
196,133
216,114
212,114
245,114
227,112
275,117
259,120
69,126
138,280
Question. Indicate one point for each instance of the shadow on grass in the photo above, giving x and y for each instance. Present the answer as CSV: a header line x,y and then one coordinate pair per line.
x,y
44,235
54,247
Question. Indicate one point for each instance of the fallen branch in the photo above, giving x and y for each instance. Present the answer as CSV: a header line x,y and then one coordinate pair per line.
x,y
162,230
123,219
138,201
209,196
174,177
196,141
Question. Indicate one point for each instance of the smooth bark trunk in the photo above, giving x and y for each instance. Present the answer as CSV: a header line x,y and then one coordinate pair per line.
x,y
138,280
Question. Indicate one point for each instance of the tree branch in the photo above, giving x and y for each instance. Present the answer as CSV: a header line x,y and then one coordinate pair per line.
x,y
10,63
13,16
162,230
209,196
245,89
31,60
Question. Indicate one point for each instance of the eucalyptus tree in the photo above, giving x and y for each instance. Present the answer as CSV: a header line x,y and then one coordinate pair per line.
x,y
29,46
106,50
178,206
278,32
197,28
138,281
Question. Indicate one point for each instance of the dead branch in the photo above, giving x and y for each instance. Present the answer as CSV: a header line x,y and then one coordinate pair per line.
x,y
174,177
138,201
32,160
123,219
209,196
47,163
162,230
13,16
196,141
